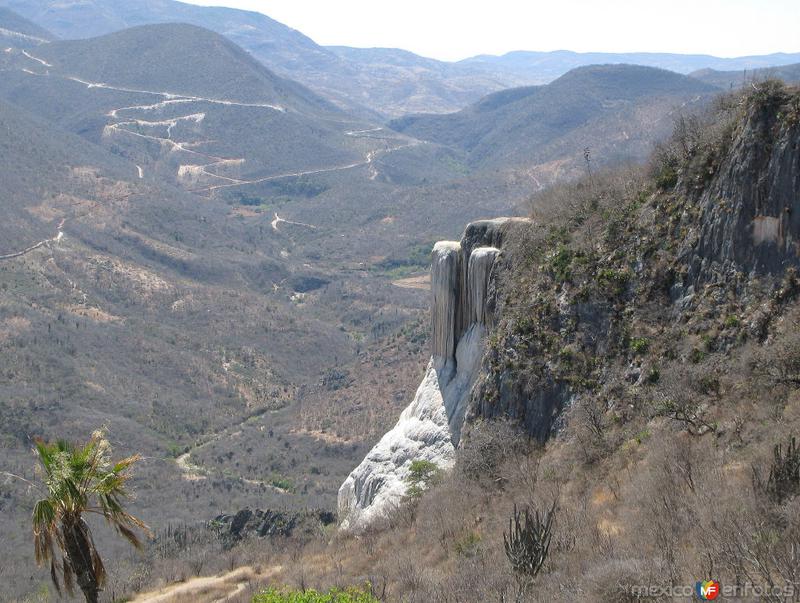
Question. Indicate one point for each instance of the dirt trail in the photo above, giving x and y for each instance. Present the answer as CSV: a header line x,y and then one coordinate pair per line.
x,y
278,220
125,119
367,161
168,96
38,60
16,34
210,589
191,472
27,250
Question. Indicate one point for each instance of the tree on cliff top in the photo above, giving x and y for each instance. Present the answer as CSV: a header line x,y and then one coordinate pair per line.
x,y
80,479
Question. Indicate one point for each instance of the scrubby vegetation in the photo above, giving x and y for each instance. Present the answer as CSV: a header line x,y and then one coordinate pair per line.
x,y
253,362
350,595
673,459
421,475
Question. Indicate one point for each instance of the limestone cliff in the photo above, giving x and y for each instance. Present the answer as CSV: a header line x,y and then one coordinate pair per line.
x,y
749,219
641,273
430,427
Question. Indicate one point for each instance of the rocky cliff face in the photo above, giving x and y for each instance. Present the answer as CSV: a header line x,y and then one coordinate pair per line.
x,y
430,427
638,275
750,209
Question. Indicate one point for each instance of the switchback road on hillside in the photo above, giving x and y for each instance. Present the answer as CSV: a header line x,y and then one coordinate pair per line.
x,y
161,131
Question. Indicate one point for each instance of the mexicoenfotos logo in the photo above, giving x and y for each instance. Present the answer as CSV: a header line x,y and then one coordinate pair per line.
x,y
708,590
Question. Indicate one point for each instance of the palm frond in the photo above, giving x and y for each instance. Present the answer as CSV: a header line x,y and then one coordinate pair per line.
x,y
97,562
44,513
46,453
129,535
124,464
44,524
75,497
80,479
43,546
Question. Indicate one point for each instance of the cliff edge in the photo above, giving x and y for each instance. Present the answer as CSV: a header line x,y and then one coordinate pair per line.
x,y
429,429
632,274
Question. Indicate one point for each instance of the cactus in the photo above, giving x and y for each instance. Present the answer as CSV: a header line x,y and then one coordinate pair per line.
x,y
528,540
784,474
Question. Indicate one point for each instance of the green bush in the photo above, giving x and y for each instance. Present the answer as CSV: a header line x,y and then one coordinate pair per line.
x,y
350,595
468,545
283,483
732,321
421,475
614,281
561,262
667,177
696,356
639,345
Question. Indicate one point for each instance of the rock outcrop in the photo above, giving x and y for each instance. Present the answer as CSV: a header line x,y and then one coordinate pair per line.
x,y
749,215
247,523
462,308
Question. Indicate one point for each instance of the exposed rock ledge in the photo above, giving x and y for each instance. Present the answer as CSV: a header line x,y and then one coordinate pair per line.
x,y
430,427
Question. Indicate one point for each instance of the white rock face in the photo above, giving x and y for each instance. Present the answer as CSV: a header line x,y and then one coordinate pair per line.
x,y
430,427
480,267
378,484
445,285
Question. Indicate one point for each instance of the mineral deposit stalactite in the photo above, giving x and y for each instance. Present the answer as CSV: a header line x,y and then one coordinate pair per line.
x,y
478,272
430,427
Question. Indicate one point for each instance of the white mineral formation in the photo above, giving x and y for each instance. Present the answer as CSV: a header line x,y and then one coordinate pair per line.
x,y
430,427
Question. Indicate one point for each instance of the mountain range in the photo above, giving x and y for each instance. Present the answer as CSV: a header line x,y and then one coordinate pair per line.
x,y
215,240
371,83
616,111
16,31
182,101
727,80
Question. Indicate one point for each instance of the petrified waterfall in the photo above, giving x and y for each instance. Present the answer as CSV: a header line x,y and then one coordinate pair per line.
x,y
430,427
445,283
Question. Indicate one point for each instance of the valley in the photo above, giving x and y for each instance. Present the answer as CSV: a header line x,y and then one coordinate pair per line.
x,y
216,247
191,269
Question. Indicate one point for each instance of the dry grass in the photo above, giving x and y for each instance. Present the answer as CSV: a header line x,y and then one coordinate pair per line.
x,y
422,281
228,586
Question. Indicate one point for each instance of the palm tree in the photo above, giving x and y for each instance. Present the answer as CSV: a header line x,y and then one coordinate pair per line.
x,y
80,480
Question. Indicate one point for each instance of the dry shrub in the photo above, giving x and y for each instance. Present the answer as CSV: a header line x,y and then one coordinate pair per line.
x,y
696,140
574,202
488,447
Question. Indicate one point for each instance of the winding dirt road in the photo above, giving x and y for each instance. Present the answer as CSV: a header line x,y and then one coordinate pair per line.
x,y
130,117
278,220
21,36
27,250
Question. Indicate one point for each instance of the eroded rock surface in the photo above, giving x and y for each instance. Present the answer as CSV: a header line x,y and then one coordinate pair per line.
x,y
750,209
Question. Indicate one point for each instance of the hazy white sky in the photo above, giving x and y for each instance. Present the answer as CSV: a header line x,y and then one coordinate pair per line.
x,y
456,29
